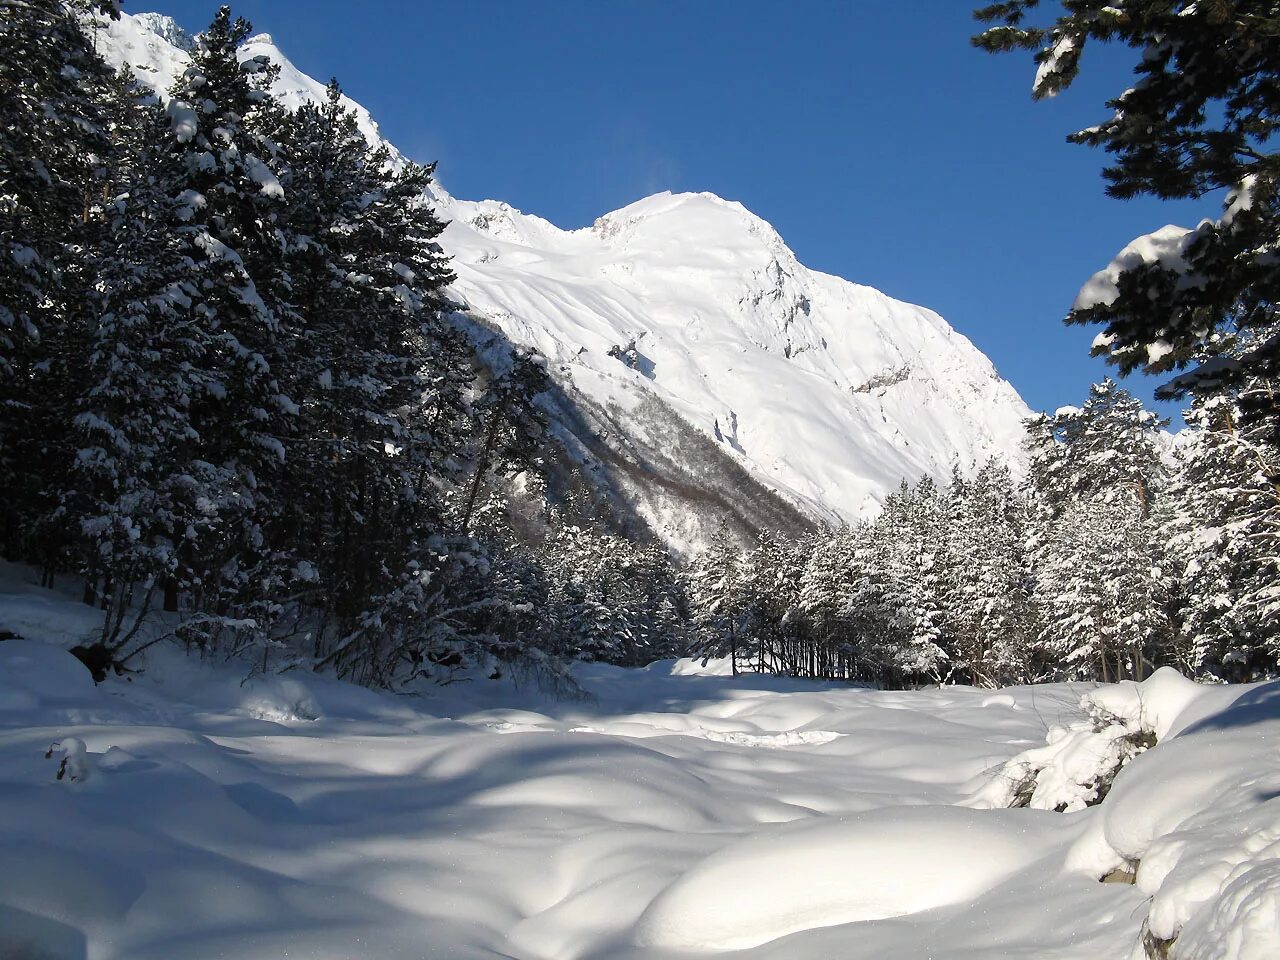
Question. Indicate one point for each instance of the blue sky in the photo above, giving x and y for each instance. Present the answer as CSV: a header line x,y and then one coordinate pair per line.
x,y
881,146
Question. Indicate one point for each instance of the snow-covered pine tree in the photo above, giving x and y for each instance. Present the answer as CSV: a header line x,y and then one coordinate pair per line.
x,y
718,591
52,141
591,594
868,604
236,204
662,607
775,640
986,592
52,146
912,544
376,378
823,588
143,500
1101,585
1221,518
1201,116
510,423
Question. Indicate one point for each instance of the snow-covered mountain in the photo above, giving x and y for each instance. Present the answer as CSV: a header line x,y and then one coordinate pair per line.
x,y
702,371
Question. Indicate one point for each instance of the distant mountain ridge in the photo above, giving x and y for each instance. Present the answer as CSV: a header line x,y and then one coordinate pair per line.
x,y
702,372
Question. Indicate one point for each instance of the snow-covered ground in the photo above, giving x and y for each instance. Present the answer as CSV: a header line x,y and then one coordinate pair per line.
x,y
674,811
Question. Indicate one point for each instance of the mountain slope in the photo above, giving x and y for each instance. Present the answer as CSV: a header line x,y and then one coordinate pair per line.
x,y
828,391
702,371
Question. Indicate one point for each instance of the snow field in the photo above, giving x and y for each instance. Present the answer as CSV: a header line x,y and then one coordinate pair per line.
x,y
676,811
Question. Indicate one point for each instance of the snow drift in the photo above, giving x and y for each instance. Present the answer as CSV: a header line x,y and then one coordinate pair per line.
x,y
882,864
675,810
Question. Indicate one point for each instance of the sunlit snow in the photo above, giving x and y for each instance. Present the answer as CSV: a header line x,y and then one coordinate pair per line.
x,y
670,810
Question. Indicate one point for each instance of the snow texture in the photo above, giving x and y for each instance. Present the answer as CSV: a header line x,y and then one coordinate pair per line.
x,y
675,810
1166,247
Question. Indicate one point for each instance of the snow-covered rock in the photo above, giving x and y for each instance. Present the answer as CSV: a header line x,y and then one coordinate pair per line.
x,y
1194,820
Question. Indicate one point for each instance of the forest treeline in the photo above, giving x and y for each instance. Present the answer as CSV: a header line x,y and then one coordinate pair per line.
x,y
1123,548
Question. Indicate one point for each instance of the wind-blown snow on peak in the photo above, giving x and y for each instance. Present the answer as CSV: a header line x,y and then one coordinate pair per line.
x,y
158,51
701,370
166,28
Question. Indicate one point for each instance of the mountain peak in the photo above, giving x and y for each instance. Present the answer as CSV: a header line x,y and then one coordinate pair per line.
x,y
693,218
167,29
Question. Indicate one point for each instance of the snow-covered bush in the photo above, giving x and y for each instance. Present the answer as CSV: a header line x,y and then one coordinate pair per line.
x,y
75,759
1079,762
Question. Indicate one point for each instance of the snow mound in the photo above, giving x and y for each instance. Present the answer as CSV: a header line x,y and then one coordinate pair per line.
x,y
886,863
1195,818
1202,774
1188,776
31,613
1155,704
1243,921
36,674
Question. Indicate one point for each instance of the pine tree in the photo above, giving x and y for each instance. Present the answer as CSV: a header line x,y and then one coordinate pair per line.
x,y
1101,586
143,499
1201,116
1222,523
52,148
869,605
717,587
773,584
52,140
988,578
235,202
375,378
823,589
912,536
511,424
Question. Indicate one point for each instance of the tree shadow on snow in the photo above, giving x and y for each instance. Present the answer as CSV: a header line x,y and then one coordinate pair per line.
x,y
26,936
1258,705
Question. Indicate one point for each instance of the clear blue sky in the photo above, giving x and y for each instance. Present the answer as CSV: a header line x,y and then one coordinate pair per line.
x,y
881,145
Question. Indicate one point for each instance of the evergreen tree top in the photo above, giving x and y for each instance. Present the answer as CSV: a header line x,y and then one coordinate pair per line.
x,y
1201,115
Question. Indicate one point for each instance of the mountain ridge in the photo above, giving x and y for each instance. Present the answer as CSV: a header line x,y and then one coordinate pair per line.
x,y
822,390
